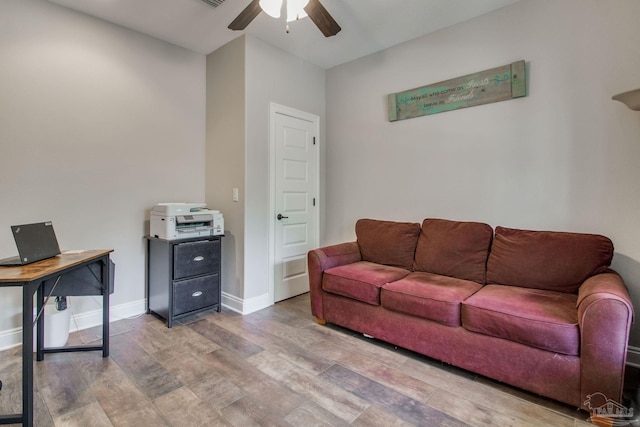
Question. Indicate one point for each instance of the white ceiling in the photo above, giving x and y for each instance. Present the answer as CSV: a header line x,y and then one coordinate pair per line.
x,y
368,26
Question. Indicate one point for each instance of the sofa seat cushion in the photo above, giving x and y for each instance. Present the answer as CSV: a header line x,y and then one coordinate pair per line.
x,y
552,260
361,280
387,242
430,296
454,248
535,317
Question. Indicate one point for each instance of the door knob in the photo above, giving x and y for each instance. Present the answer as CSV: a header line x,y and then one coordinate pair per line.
x,y
280,216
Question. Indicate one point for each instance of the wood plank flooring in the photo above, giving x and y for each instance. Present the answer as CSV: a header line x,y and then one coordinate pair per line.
x,y
275,367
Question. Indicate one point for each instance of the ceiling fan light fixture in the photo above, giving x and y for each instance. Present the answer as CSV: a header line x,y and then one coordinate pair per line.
x,y
295,9
271,7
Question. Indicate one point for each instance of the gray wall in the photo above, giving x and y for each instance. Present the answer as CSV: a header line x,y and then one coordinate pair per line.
x,y
226,148
264,75
272,76
97,124
563,158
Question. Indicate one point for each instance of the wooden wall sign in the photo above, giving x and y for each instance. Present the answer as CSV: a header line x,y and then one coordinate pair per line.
x,y
496,84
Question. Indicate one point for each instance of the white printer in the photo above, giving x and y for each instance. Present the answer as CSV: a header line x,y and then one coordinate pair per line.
x,y
184,220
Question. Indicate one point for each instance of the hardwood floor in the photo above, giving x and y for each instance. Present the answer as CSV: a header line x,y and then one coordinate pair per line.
x,y
275,367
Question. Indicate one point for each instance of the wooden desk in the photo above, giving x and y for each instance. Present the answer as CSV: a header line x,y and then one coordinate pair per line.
x,y
32,278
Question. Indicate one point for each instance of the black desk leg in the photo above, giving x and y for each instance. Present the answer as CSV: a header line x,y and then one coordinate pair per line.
x,y
40,323
27,353
105,324
106,280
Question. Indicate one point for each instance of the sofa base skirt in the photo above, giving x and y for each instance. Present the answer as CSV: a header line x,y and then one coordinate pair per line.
x,y
552,375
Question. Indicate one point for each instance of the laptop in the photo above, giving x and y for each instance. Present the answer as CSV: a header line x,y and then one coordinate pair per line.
x,y
35,242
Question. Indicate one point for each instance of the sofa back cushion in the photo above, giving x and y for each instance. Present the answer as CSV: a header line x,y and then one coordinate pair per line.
x,y
552,260
387,242
454,249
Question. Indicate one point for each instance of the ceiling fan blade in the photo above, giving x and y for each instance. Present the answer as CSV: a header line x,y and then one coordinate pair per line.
x,y
323,20
246,16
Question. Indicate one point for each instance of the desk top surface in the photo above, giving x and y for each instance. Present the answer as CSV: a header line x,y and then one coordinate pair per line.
x,y
39,269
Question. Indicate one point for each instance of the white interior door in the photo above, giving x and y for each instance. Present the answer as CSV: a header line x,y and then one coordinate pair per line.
x,y
295,213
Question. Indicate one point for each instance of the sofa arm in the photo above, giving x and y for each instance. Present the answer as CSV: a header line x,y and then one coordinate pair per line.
x,y
605,314
321,259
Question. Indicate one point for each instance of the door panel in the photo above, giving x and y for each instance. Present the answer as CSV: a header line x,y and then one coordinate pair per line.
x,y
295,187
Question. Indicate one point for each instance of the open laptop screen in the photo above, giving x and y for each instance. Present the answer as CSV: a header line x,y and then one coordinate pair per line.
x,y
35,242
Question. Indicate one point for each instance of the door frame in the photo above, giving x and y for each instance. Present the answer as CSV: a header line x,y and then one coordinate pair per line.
x,y
274,109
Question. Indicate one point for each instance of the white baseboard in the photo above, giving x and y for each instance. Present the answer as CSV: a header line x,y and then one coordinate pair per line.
x,y
633,356
13,337
10,338
92,318
245,306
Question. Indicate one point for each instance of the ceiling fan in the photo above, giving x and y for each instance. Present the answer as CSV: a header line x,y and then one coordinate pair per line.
x,y
318,14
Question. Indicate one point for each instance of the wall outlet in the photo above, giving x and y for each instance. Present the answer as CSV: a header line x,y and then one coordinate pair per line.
x,y
236,195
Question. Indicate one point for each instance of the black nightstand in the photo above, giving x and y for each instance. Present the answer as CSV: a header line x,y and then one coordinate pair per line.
x,y
183,276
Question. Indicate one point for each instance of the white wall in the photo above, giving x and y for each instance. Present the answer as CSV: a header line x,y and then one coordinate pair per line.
x,y
97,124
563,158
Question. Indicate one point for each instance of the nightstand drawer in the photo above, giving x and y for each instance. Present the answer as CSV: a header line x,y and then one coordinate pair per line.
x,y
194,294
196,258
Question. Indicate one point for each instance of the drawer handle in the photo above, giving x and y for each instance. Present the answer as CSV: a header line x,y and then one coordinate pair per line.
x,y
196,294
198,258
